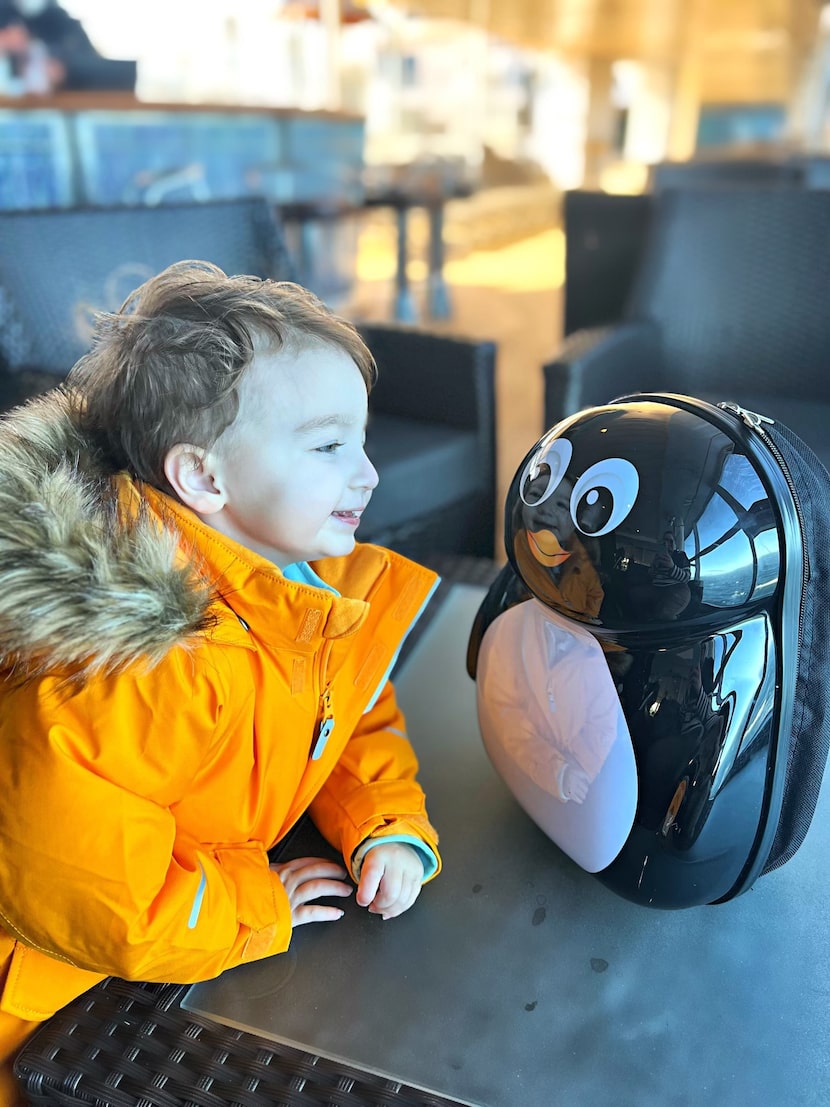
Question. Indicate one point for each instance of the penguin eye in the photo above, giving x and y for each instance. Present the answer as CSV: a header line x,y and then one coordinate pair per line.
x,y
543,473
604,495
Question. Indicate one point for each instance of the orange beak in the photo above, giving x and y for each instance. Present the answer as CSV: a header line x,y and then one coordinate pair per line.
x,y
544,545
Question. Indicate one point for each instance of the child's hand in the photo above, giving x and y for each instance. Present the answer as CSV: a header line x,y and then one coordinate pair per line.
x,y
575,784
390,879
308,878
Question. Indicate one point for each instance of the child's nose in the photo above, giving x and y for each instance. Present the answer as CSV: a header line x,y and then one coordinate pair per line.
x,y
368,474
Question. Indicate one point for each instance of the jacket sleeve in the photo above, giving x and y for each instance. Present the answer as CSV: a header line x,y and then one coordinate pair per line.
x,y
372,790
95,868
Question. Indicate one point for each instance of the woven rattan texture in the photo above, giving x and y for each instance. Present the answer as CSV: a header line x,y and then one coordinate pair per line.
x,y
109,252
127,1044
736,281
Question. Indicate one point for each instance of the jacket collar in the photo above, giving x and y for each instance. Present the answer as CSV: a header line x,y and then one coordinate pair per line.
x,y
252,592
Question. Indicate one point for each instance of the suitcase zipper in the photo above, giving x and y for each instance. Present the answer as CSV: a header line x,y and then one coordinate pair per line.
x,y
756,422
751,418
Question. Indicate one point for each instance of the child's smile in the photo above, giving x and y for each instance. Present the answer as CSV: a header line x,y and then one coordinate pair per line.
x,y
350,518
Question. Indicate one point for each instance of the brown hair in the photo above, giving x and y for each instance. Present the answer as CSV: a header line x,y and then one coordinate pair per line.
x,y
166,368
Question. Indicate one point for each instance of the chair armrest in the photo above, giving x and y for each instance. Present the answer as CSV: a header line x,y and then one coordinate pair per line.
x,y
597,364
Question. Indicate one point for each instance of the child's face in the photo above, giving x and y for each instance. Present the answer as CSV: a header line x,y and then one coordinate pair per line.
x,y
292,467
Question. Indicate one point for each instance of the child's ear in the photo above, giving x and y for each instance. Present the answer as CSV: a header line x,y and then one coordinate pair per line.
x,y
190,474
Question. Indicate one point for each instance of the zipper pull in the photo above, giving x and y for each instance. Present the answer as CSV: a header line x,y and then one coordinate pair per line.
x,y
751,418
325,728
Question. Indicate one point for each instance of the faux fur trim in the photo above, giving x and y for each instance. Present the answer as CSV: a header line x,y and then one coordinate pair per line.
x,y
82,588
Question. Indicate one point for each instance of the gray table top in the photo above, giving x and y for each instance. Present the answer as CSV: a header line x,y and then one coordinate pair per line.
x,y
518,979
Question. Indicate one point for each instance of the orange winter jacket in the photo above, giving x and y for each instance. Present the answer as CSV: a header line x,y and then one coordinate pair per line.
x,y
162,724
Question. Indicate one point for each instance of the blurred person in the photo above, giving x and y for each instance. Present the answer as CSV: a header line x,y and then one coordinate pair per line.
x,y
665,591
46,50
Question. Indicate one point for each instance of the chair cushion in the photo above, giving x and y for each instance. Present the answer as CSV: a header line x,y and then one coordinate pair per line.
x,y
809,419
422,467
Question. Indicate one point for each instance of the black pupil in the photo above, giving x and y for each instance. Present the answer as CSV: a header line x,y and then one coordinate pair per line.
x,y
594,510
537,485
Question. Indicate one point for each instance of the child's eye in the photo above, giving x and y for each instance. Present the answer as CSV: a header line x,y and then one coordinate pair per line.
x,y
329,448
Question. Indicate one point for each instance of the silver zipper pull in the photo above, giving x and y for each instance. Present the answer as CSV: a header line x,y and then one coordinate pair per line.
x,y
751,418
325,729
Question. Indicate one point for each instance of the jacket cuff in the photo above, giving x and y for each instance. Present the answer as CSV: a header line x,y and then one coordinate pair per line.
x,y
262,904
417,828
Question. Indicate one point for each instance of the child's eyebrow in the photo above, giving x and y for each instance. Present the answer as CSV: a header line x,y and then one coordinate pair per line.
x,y
321,421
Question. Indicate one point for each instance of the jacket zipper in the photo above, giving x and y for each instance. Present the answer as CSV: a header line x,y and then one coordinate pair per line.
x,y
326,718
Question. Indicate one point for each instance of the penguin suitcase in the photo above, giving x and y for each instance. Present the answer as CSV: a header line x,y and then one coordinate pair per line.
x,y
651,663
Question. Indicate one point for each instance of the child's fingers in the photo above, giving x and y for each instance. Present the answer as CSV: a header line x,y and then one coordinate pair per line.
x,y
390,880
315,912
581,783
410,890
370,878
304,907
304,870
389,891
316,889
306,879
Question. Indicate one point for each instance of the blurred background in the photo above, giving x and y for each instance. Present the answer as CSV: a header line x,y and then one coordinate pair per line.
x,y
589,91
418,152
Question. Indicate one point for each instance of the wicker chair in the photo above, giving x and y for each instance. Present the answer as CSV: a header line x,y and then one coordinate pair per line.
x,y
728,303
59,267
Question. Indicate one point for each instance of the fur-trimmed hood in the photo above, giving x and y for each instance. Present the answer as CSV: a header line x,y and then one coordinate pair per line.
x,y
84,587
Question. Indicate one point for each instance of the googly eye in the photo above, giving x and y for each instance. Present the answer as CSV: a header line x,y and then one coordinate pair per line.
x,y
543,473
604,495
